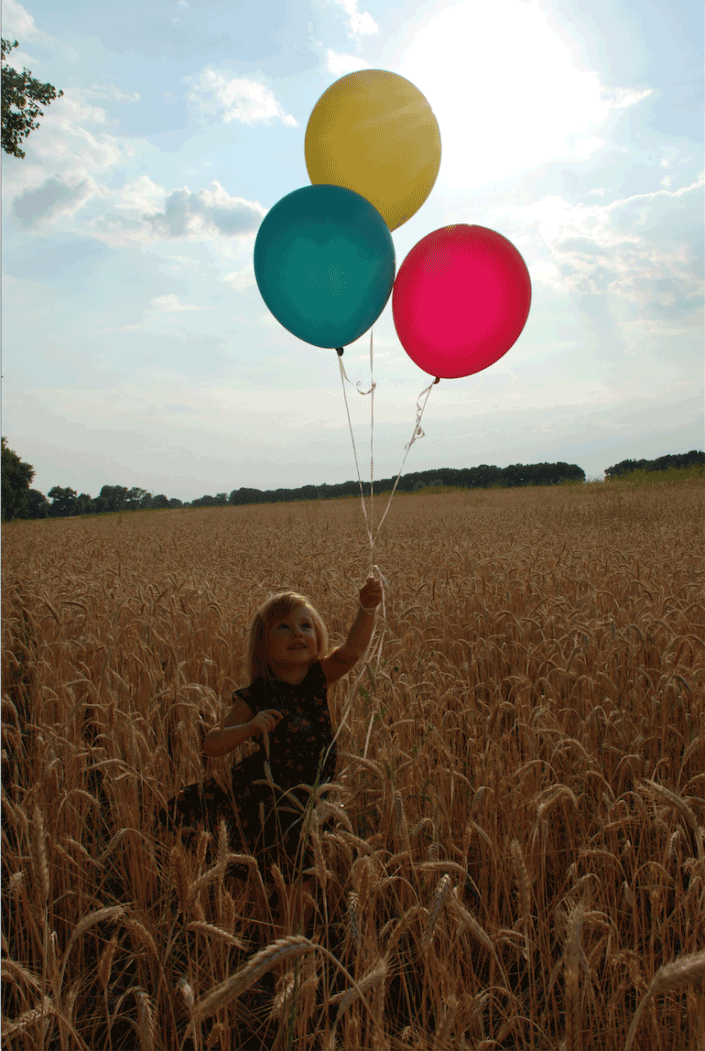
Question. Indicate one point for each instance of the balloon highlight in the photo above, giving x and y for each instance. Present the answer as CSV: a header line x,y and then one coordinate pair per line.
x,y
373,132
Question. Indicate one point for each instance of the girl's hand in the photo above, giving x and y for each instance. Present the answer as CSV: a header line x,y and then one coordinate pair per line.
x,y
371,593
265,722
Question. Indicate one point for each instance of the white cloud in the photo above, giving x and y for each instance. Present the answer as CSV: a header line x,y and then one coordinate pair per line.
x,y
238,98
620,98
65,145
66,157
207,214
55,197
637,250
17,22
145,212
506,92
111,92
172,303
186,261
341,65
240,280
359,24
160,318
140,195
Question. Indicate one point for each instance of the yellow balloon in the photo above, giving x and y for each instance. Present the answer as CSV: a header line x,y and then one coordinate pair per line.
x,y
375,133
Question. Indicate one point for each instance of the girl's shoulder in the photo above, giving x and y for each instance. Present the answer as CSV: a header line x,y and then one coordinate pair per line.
x,y
252,695
317,678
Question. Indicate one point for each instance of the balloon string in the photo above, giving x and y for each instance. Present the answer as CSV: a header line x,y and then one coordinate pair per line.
x,y
417,433
372,431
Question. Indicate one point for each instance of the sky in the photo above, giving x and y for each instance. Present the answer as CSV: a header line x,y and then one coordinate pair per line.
x,y
137,349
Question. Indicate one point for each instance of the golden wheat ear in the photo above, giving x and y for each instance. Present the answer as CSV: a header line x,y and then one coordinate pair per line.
x,y
677,974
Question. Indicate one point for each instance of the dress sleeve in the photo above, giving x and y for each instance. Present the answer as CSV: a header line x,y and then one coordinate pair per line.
x,y
318,679
251,698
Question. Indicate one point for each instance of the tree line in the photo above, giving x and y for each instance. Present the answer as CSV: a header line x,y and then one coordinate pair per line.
x,y
694,458
19,500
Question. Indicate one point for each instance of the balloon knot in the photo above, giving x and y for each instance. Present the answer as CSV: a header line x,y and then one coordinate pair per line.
x,y
437,379
339,351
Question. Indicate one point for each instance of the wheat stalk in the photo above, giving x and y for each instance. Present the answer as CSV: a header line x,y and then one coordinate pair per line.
x,y
40,864
524,893
217,932
374,976
283,949
354,916
105,962
37,1014
181,877
195,1028
674,975
145,1022
442,891
142,935
111,912
570,969
680,804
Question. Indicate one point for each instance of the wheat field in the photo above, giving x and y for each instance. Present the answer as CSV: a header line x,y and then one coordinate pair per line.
x,y
519,856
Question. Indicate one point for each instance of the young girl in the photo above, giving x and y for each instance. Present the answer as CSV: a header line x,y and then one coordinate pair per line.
x,y
286,707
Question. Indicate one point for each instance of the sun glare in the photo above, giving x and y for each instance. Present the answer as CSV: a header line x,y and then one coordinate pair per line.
x,y
505,89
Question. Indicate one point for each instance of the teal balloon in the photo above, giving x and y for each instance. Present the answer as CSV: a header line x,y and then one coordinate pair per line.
x,y
324,263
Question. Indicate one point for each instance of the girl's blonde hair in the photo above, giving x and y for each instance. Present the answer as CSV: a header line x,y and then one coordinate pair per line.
x,y
276,606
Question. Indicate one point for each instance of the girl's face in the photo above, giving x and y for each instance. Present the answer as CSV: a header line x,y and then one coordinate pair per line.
x,y
292,641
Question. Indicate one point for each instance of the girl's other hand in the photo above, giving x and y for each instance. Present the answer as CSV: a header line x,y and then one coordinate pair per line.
x,y
265,722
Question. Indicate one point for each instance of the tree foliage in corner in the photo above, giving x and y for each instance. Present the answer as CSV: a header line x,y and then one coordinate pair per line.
x,y
20,94
16,476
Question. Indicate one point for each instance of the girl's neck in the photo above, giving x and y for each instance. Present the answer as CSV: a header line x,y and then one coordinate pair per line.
x,y
295,679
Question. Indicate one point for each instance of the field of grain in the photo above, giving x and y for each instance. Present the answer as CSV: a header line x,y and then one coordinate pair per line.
x,y
519,856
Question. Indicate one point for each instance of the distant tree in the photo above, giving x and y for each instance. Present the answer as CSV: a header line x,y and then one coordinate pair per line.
x,y
160,501
662,463
84,504
146,502
484,476
245,496
16,476
514,475
37,505
622,468
175,503
63,502
134,498
20,94
211,501
115,495
567,472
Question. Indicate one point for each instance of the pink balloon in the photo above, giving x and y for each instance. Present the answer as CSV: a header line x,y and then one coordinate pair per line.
x,y
460,300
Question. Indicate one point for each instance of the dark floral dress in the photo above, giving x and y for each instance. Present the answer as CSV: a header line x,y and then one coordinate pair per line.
x,y
264,822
